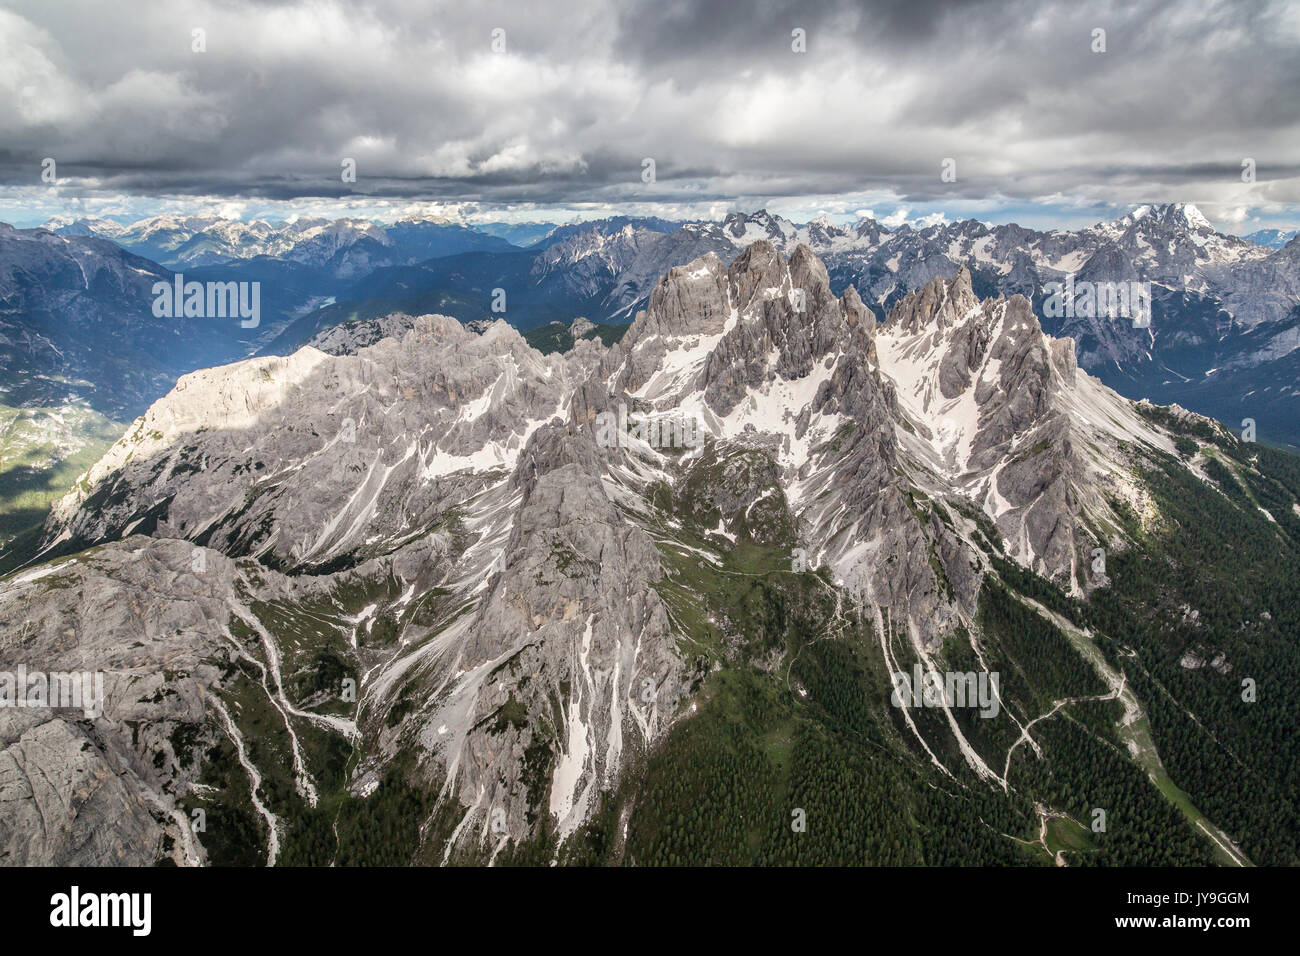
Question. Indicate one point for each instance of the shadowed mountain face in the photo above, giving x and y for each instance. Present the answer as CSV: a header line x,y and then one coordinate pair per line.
x,y
636,603
77,302
79,323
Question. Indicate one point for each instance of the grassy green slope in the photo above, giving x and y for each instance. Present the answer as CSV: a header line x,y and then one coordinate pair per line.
x,y
42,451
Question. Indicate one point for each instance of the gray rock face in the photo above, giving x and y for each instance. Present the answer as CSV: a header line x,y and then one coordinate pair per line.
x,y
764,356
573,635
87,788
307,461
1002,412
351,337
448,520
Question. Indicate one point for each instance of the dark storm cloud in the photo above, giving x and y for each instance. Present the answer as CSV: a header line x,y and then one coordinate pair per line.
x,y
656,34
712,92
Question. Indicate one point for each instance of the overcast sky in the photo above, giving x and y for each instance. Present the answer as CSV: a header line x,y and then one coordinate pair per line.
x,y
1042,129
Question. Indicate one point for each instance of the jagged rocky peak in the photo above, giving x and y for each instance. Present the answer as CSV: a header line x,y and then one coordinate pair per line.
x,y
749,226
1172,215
774,367
759,270
263,456
1001,413
688,299
790,322
870,231
940,304
944,304
737,325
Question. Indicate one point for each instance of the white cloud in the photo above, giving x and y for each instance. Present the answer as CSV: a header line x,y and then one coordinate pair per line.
x,y
896,219
414,92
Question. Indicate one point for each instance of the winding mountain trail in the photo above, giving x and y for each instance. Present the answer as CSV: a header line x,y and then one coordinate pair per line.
x,y
1135,732
1056,706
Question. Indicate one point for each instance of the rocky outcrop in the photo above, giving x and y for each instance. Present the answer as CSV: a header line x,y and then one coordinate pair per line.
x,y
98,785
1001,411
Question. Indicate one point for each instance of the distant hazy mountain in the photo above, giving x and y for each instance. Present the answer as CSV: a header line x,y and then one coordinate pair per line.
x,y
342,248
1273,238
606,227
77,321
517,233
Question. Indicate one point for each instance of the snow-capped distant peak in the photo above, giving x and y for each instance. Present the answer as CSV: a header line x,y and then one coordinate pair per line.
x,y
1182,214
1194,218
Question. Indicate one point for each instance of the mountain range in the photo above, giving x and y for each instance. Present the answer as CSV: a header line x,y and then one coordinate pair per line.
x,y
1223,332
432,595
81,343
343,248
